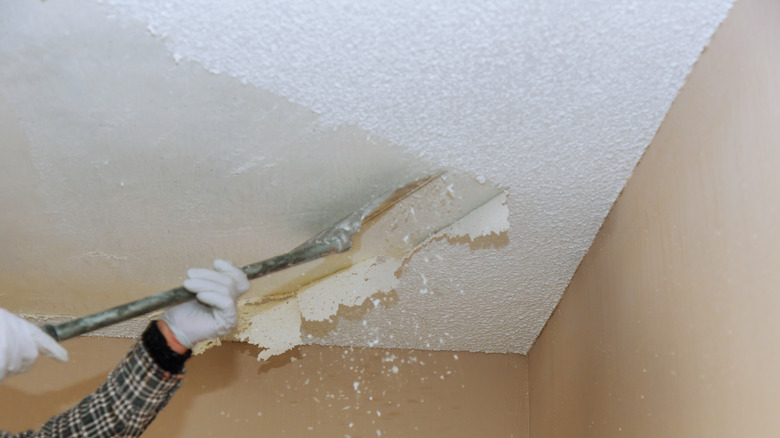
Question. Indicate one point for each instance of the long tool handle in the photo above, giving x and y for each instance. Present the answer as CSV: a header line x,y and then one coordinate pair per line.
x,y
310,250
335,239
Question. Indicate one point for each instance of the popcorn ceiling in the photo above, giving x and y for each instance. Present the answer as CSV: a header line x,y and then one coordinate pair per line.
x,y
555,101
129,105
448,78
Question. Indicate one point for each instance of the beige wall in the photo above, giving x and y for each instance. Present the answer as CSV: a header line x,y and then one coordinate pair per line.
x,y
671,325
307,393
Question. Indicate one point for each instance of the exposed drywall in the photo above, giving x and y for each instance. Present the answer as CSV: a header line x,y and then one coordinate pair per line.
x,y
669,327
309,392
129,169
149,137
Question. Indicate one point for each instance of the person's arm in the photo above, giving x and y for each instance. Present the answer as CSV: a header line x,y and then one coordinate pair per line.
x,y
146,379
130,398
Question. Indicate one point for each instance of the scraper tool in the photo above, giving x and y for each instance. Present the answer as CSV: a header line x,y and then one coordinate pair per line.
x,y
334,239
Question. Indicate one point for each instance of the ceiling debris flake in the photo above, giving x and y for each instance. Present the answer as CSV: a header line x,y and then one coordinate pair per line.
x,y
490,218
321,300
274,326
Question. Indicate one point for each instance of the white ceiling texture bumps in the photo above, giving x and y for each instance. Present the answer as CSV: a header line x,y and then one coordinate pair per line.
x,y
554,101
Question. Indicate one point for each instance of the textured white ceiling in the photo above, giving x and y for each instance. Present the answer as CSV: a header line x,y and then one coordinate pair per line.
x,y
144,137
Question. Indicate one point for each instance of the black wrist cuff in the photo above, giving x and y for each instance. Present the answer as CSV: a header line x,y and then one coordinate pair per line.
x,y
158,349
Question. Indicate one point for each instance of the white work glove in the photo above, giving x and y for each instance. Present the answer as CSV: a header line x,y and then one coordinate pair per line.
x,y
213,314
20,343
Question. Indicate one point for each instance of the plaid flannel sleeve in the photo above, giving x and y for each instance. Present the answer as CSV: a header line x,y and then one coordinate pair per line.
x,y
123,406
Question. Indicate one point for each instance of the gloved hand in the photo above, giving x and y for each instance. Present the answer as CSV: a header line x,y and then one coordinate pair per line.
x,y
214,312
20,343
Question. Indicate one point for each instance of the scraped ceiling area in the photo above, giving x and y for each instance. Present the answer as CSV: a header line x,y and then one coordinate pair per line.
x,y
143,138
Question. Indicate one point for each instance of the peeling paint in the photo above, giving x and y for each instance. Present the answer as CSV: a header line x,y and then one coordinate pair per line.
x,y
490,218
276,325
321,300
